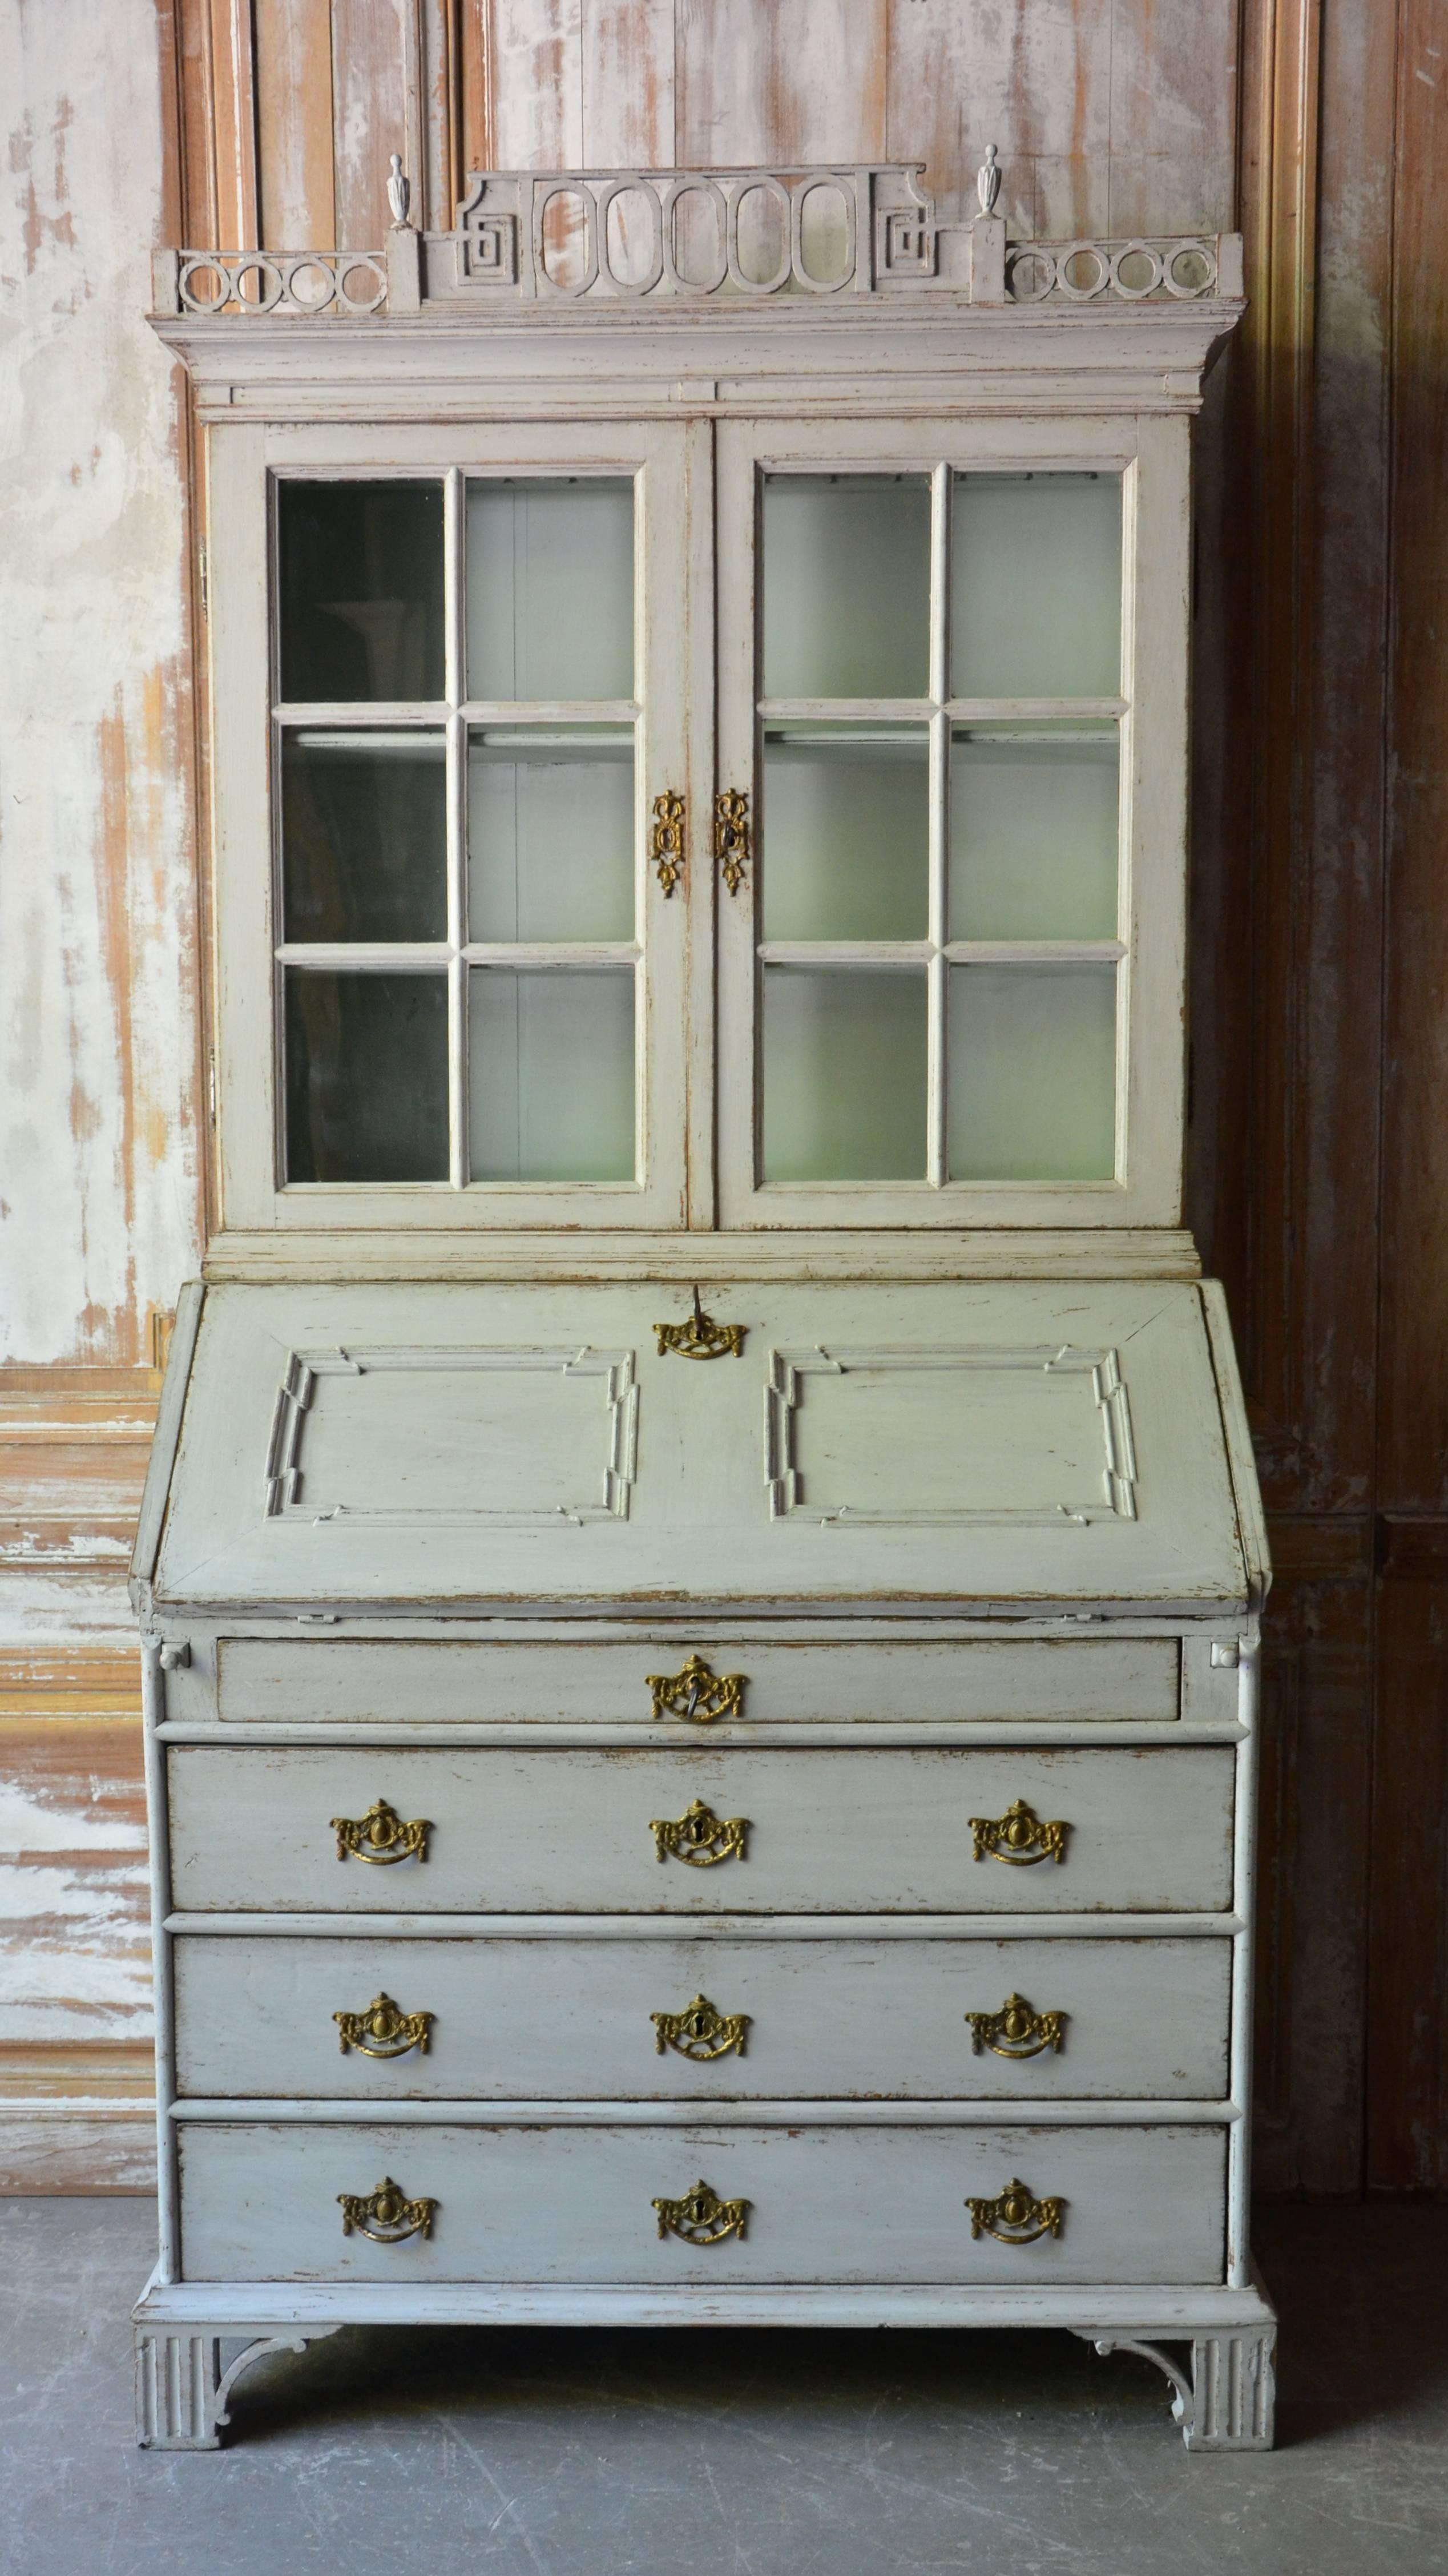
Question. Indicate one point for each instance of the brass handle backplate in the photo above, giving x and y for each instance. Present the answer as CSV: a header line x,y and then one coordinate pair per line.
x,y
381,1835
701,2217
699,2031
699,1837
731,836
1016,2217
697,1692
1019,1836
666,847
386,2216
1017,2030
383,2030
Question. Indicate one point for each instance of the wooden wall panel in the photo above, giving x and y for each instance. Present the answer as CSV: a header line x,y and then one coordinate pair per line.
x,y
376,111
294,116
1407,2130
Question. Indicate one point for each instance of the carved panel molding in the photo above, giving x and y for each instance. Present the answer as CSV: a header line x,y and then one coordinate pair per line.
x,y
1094,1374
287,1496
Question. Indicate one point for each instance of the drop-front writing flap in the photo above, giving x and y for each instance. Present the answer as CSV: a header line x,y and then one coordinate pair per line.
x,y
575,1445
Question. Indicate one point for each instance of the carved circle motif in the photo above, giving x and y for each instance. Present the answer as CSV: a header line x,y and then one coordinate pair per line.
x,y
543,199
1069,258
210,281
799,198
1189,287
1034,270
774,193
620,193
713,196
1138,251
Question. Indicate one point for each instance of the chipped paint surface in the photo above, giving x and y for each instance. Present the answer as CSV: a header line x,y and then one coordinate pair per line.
x,y
75,1952
98,1181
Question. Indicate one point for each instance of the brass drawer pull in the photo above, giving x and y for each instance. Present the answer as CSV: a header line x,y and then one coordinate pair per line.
x,y
381,1835
697,1693
383,2030
1019,1836
386,2216
699,2031
700,1338
731,836
701,2217
1016,2217
1017,2030
700,1837
666,848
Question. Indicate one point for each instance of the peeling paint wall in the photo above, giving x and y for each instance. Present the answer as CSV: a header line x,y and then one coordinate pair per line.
x,y
99,1188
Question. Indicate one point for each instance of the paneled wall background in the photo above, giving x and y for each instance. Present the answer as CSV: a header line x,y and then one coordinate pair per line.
x,y
1319,1175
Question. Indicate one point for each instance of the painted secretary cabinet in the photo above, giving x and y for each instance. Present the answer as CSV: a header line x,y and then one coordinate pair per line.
x,y
701,1572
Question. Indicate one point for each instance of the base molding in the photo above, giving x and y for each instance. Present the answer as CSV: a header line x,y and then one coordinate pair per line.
x,y
1223,2385
1215,2346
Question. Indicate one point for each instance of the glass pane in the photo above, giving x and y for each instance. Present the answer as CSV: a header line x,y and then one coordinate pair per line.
x,y
361,590
1031,1094
364,835
846,586
550,589
846,833
366,1077
844,1073
1035,603
552,1073
1034,834
550,835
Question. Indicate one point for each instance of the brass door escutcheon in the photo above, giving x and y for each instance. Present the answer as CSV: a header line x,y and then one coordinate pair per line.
x,y
700,1338
1017,2030
1016,2217
383,2030
696,1692
701,2217
731,836
666,848
381,1835
699,1837
1019,1836
386,2216
699,2031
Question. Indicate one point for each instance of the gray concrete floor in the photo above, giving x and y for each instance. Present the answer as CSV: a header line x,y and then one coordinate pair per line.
x,y
533,2453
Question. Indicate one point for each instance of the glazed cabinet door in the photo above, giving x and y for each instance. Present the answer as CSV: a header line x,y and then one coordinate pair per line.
x,y
451,781
951,829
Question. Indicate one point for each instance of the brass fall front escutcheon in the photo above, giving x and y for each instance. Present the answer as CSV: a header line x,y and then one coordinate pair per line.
x,y
731,836
385,2216
666,847
1015,2216
1019,1836
700,1338
381,1835
701,2217
1017,2030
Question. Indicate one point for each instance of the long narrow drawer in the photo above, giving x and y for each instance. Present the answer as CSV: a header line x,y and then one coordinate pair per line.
x,y
566,1831
497,2019
1031,1681
262,2201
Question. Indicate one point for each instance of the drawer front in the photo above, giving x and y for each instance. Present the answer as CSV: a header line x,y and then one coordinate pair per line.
x,y
261,2201
1031,1681
823,1832
567,2020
